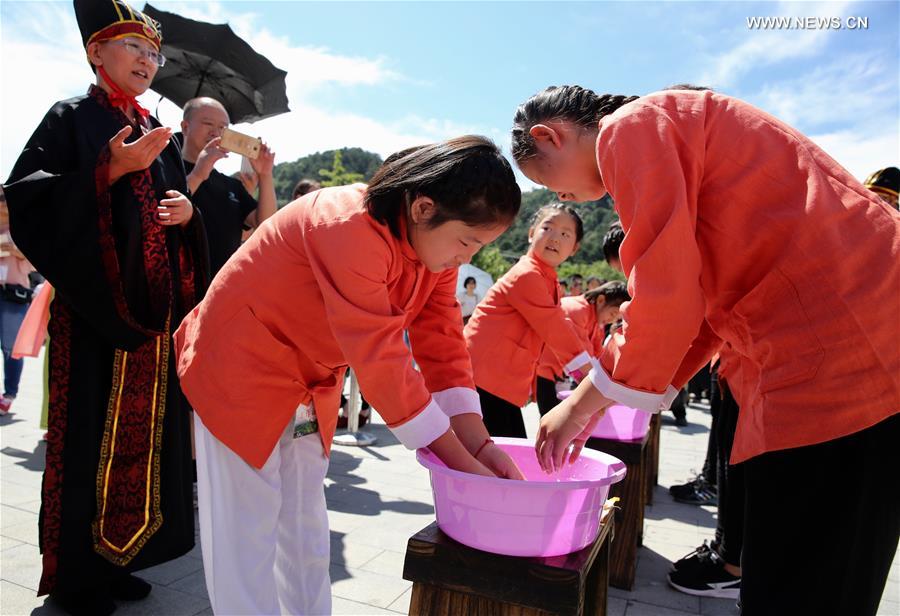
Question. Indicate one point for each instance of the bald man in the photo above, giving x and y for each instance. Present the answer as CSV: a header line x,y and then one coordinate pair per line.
x,y
224,202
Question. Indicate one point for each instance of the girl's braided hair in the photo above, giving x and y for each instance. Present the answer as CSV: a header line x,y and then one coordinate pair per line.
x,y
573,103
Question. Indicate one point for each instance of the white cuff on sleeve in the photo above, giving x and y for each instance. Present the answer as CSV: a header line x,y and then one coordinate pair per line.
x,y
634,398
668,398
424,428
579,360
458,400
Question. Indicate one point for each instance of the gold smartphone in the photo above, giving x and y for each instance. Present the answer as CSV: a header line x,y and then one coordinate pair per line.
x,y
240,143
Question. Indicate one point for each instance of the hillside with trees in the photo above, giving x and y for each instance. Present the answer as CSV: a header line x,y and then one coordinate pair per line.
x,y
330,168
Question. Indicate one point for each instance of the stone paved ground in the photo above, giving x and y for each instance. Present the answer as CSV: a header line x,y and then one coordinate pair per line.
x,y
377,498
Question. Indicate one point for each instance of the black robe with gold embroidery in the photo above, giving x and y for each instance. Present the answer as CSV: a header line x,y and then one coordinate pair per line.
x,y
116,492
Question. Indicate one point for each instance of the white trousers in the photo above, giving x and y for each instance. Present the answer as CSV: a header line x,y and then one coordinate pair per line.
x,y
264,533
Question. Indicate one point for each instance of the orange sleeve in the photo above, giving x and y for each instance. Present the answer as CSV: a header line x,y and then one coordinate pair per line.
x,y
440,349
702,350
529,296
369,330
652,168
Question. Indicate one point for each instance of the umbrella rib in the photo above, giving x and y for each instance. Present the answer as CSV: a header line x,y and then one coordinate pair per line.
x,y
203,76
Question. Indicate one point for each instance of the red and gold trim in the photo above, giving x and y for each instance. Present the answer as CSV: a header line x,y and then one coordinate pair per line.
x,y
129,23
127,28
128,475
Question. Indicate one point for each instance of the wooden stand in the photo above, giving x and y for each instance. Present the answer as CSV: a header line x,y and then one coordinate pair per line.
x,y
632,493
653,457
451,579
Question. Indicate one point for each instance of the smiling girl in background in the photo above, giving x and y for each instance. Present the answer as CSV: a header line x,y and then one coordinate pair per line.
x,y
520,315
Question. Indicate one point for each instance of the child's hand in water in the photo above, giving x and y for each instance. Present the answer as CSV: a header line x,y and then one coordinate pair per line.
x,y
499,462
564,425
581,439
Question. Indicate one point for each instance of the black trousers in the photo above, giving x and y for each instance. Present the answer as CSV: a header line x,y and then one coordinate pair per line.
x,y
501,418
731,485
711,464
679,404
545,392
822,524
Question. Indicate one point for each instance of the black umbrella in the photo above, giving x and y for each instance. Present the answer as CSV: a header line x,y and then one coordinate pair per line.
x,y
204,59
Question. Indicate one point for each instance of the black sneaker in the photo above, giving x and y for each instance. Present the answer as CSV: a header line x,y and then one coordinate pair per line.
x,y
688,486
708,579
697,557
697,491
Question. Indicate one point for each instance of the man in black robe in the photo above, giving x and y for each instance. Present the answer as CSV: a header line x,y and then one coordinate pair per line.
x,y
97,204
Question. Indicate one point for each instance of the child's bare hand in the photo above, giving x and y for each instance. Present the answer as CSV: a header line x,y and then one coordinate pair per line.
x,y
559,428
499,462
581,439
176,210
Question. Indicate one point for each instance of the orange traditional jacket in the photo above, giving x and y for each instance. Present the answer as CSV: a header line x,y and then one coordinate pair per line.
x,y
740,229
319,286
583,316
517,316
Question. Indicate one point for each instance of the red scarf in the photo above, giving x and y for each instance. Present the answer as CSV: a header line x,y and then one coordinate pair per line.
x,y
118,97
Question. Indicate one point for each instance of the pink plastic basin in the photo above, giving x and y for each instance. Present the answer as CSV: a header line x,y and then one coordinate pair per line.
x,y
546,515
620,423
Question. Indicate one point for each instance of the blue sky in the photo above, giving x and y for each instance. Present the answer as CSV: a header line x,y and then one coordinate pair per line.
x,y
387,75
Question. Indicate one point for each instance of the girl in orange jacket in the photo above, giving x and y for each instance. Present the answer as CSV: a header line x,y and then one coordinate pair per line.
x,y
518,316
330,281
740,229
589,314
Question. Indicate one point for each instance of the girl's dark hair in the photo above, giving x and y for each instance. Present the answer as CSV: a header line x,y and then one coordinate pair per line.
x,y
305,186
688,86
612,240
468,280
615,293
467,177
552,208
573,103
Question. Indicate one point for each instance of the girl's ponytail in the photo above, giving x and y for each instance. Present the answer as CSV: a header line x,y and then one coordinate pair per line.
x,y
573,103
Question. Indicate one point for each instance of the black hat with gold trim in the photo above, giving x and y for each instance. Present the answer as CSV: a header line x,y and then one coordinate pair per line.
x,y
106,20
885,181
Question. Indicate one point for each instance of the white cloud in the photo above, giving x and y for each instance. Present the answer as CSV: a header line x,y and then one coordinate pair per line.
x,y
836,92
861,152
52,67
849,108
760,48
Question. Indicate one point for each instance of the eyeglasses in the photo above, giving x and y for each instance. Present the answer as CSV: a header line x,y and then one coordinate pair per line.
x,y
139,51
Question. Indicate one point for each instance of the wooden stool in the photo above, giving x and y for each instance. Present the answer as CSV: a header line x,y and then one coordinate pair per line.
x,y
630,513
450,578
653,457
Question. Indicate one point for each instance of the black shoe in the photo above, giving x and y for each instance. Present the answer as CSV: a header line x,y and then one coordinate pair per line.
x,y
681,421
129,588
698,491
84,603
695,558
709,579
683,489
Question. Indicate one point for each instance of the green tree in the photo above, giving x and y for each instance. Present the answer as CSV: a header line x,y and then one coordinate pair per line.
x,y
338,175
491,261
355,160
